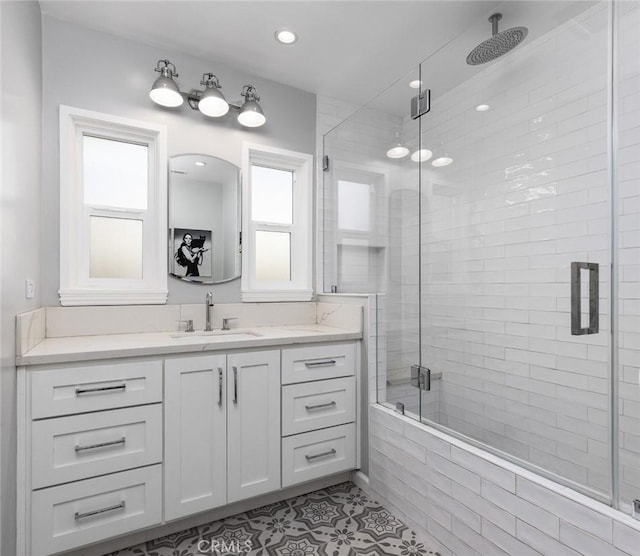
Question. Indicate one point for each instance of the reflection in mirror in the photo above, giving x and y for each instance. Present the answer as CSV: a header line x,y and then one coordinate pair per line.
x,y
204,219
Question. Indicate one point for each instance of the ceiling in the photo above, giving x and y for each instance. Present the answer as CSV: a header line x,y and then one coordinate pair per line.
x,y
349,50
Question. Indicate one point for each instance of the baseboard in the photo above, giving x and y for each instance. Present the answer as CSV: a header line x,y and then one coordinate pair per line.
x,y
361,480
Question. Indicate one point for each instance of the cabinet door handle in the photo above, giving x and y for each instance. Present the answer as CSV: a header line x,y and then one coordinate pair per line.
x,y
220,386
321,455
101,389
100,445
327,363
100,511
319,406
235,385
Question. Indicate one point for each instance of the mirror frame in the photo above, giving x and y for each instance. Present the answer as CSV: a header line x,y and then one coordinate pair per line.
x,y
171,238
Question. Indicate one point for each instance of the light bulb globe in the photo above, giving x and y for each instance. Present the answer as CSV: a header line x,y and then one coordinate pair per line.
x,y
165,92
251,114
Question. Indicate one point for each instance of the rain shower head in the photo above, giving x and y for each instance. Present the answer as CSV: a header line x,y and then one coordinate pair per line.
x,y
498,44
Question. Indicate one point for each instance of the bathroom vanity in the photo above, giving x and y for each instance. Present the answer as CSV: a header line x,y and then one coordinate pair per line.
x,y
123,432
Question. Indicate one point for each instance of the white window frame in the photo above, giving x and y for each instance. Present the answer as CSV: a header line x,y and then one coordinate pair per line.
x,y
76,285
300,287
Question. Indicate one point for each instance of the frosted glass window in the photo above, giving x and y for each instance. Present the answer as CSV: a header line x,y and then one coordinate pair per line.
x,y
115,247
115,173
353,206
273,256
271,195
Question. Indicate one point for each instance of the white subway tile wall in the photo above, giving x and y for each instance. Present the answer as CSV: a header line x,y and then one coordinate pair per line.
x,y
471,503
527,194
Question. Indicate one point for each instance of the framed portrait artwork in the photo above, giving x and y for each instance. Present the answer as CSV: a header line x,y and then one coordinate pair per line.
x,y
192,258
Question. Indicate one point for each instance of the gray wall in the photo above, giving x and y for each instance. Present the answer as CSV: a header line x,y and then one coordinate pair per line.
x,y
20,229
98,71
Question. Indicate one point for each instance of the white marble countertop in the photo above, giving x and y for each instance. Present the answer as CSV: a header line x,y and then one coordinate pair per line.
x,y
109,346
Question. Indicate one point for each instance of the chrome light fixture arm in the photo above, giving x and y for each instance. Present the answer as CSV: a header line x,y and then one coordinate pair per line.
x,y
167,69
249,93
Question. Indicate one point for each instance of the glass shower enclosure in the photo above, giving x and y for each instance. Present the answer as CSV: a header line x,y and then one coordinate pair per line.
x,y
494,210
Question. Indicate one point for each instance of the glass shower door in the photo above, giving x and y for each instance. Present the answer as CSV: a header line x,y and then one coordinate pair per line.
x,y
483,252
515,198
370,215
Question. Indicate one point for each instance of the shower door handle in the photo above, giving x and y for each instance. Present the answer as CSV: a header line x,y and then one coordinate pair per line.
x,y
594,299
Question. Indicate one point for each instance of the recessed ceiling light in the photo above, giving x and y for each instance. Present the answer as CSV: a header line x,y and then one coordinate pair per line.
x,y
442,161
286,37
397,152
415,84
200,163
422,155
482,107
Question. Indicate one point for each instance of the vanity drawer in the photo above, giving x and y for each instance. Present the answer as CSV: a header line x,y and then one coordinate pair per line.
x,y
83,446
84,512
93,387
318,405
315,454
318,362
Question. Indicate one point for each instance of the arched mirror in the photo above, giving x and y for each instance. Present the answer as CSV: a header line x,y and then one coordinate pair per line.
x,y
204,219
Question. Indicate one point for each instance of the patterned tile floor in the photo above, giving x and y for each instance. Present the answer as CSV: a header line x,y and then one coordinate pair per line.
x,y
336,521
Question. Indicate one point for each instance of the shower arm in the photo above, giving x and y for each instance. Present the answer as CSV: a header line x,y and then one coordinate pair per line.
x,y
494,23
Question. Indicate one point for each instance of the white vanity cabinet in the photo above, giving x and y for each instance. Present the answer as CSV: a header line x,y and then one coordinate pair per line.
x,y
253,428
90,453
195,434
109,447
222,430
319,404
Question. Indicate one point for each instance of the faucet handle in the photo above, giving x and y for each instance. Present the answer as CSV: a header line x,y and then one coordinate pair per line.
x,y
225,322
189,325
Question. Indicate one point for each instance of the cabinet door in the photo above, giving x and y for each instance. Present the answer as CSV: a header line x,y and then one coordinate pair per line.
x,y
253,445
195,435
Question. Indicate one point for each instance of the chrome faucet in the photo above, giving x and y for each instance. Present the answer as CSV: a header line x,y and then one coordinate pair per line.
x,y
207,311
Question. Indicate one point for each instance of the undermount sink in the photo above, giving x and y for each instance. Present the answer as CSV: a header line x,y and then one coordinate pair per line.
x,y
199,335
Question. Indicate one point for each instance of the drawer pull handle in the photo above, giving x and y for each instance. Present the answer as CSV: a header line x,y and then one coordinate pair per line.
x,y
327,363
100,445
319,406
235,385
101,389
219,385
101,511
321,455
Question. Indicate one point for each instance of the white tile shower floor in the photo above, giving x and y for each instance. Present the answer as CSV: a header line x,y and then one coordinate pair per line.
x,y
335,521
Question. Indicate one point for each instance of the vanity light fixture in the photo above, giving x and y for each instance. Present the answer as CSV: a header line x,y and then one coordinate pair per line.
x,y
210,101
165,91
251,114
